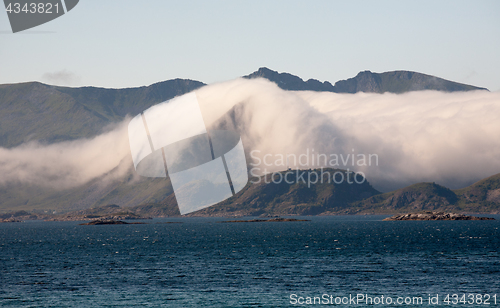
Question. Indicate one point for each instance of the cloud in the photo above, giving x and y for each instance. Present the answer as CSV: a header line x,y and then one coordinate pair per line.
x,y
61,78
68,164
448,138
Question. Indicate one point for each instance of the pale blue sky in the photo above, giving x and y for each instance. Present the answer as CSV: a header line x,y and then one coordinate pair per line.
x,y
117,43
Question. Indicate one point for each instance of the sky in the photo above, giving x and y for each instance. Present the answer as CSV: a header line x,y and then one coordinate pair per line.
x,y
118,43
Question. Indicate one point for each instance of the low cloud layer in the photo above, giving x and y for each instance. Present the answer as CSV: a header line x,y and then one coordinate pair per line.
x,y
448,138
68,164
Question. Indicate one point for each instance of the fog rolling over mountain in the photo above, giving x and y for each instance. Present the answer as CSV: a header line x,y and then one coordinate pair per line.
x,y
36,111
66,148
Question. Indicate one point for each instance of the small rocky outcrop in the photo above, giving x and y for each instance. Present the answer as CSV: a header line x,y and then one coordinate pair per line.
x,y
435,216
11,219
78,216
278,219
17,216
109,222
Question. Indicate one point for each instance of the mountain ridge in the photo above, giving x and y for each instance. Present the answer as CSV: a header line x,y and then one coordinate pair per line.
x,y
62,113
365,81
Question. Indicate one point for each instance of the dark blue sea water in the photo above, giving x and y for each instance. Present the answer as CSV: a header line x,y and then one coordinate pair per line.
x,y
203,263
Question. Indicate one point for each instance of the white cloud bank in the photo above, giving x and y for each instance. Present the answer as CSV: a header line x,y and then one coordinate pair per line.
x,y
68,164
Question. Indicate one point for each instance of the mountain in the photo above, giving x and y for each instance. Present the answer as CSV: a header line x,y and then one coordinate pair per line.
x,y
291,82
416,197
36,111
268,198
398,82
263,198
483,196
393,82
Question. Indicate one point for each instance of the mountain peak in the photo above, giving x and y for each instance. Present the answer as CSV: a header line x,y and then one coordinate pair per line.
x,y
291,82
365,81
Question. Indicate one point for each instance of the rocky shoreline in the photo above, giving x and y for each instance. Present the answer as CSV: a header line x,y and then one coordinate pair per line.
x,y
115,213
110,212
96,217
110,222
435,216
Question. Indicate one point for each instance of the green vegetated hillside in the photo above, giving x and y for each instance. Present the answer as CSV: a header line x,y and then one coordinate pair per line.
x,y
481,197
262,196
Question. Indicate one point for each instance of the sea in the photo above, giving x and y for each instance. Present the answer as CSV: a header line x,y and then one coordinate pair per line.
x,y
344,261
